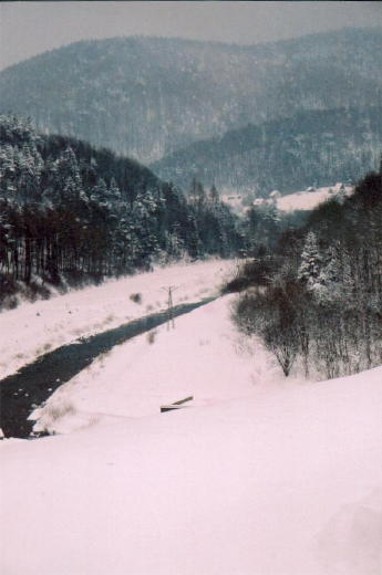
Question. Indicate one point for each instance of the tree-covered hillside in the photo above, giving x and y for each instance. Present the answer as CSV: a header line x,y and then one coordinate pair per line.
x,y
312,148
69,211
148,97
320,302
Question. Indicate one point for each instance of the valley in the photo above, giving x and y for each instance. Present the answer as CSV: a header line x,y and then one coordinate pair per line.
x,y
191,288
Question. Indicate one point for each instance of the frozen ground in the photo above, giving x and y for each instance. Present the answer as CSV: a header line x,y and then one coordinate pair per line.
x,y
259,475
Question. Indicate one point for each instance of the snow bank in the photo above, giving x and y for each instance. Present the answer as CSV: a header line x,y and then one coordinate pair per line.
x,y
259,476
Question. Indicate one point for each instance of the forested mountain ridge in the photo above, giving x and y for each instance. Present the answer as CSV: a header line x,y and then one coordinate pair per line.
x,y
148,97
69,211
312,148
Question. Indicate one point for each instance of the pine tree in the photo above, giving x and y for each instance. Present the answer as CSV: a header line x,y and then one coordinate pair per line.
x,y
311,263
214,195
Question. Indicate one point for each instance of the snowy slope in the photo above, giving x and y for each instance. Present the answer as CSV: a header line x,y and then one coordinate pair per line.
x,y
258,476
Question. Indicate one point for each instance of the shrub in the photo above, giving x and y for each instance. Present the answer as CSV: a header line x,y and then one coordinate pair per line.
x,y
256,272
136,298
276,315
151,336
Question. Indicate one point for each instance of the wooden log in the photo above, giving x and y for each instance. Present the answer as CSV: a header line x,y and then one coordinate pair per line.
x,y
176,404
183,400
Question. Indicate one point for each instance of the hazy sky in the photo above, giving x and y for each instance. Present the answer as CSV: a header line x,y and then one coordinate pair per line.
x,y
29,28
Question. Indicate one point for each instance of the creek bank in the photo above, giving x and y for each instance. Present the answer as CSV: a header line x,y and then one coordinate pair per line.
x,y
33,384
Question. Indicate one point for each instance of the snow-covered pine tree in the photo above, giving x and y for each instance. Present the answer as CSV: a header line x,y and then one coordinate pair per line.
x,y
311,263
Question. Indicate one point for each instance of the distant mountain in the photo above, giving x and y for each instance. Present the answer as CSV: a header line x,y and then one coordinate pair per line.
x,y
147,97
312,148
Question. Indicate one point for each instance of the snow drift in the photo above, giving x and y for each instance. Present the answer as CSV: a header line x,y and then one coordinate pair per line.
x,y
257,476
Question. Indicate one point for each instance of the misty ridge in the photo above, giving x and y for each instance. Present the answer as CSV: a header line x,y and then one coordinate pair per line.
x,y
312,148
151,98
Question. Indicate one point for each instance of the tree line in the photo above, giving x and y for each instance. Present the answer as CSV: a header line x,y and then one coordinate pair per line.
x,y
69,212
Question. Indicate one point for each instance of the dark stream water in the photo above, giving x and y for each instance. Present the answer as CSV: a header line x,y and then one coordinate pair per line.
x,y
33,384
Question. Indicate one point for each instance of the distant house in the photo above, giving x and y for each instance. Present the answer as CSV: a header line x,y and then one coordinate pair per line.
x,y
275,195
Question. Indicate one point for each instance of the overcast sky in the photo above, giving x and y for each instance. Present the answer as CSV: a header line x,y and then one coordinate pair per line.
x,y
29,28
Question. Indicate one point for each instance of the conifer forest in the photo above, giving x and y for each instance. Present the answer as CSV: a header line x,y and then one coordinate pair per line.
x,y
70,211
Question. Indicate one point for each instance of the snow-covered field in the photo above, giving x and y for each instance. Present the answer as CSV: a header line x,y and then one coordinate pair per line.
x,y
298,201
308,200
258,475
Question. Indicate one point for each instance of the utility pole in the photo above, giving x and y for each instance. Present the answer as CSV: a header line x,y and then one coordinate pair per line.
x,y
170,307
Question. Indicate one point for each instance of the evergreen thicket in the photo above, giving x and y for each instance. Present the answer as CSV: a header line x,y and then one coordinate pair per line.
x,y
69,212
318,301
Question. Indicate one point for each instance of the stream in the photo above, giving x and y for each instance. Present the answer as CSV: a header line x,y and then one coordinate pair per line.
x,y
33,384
